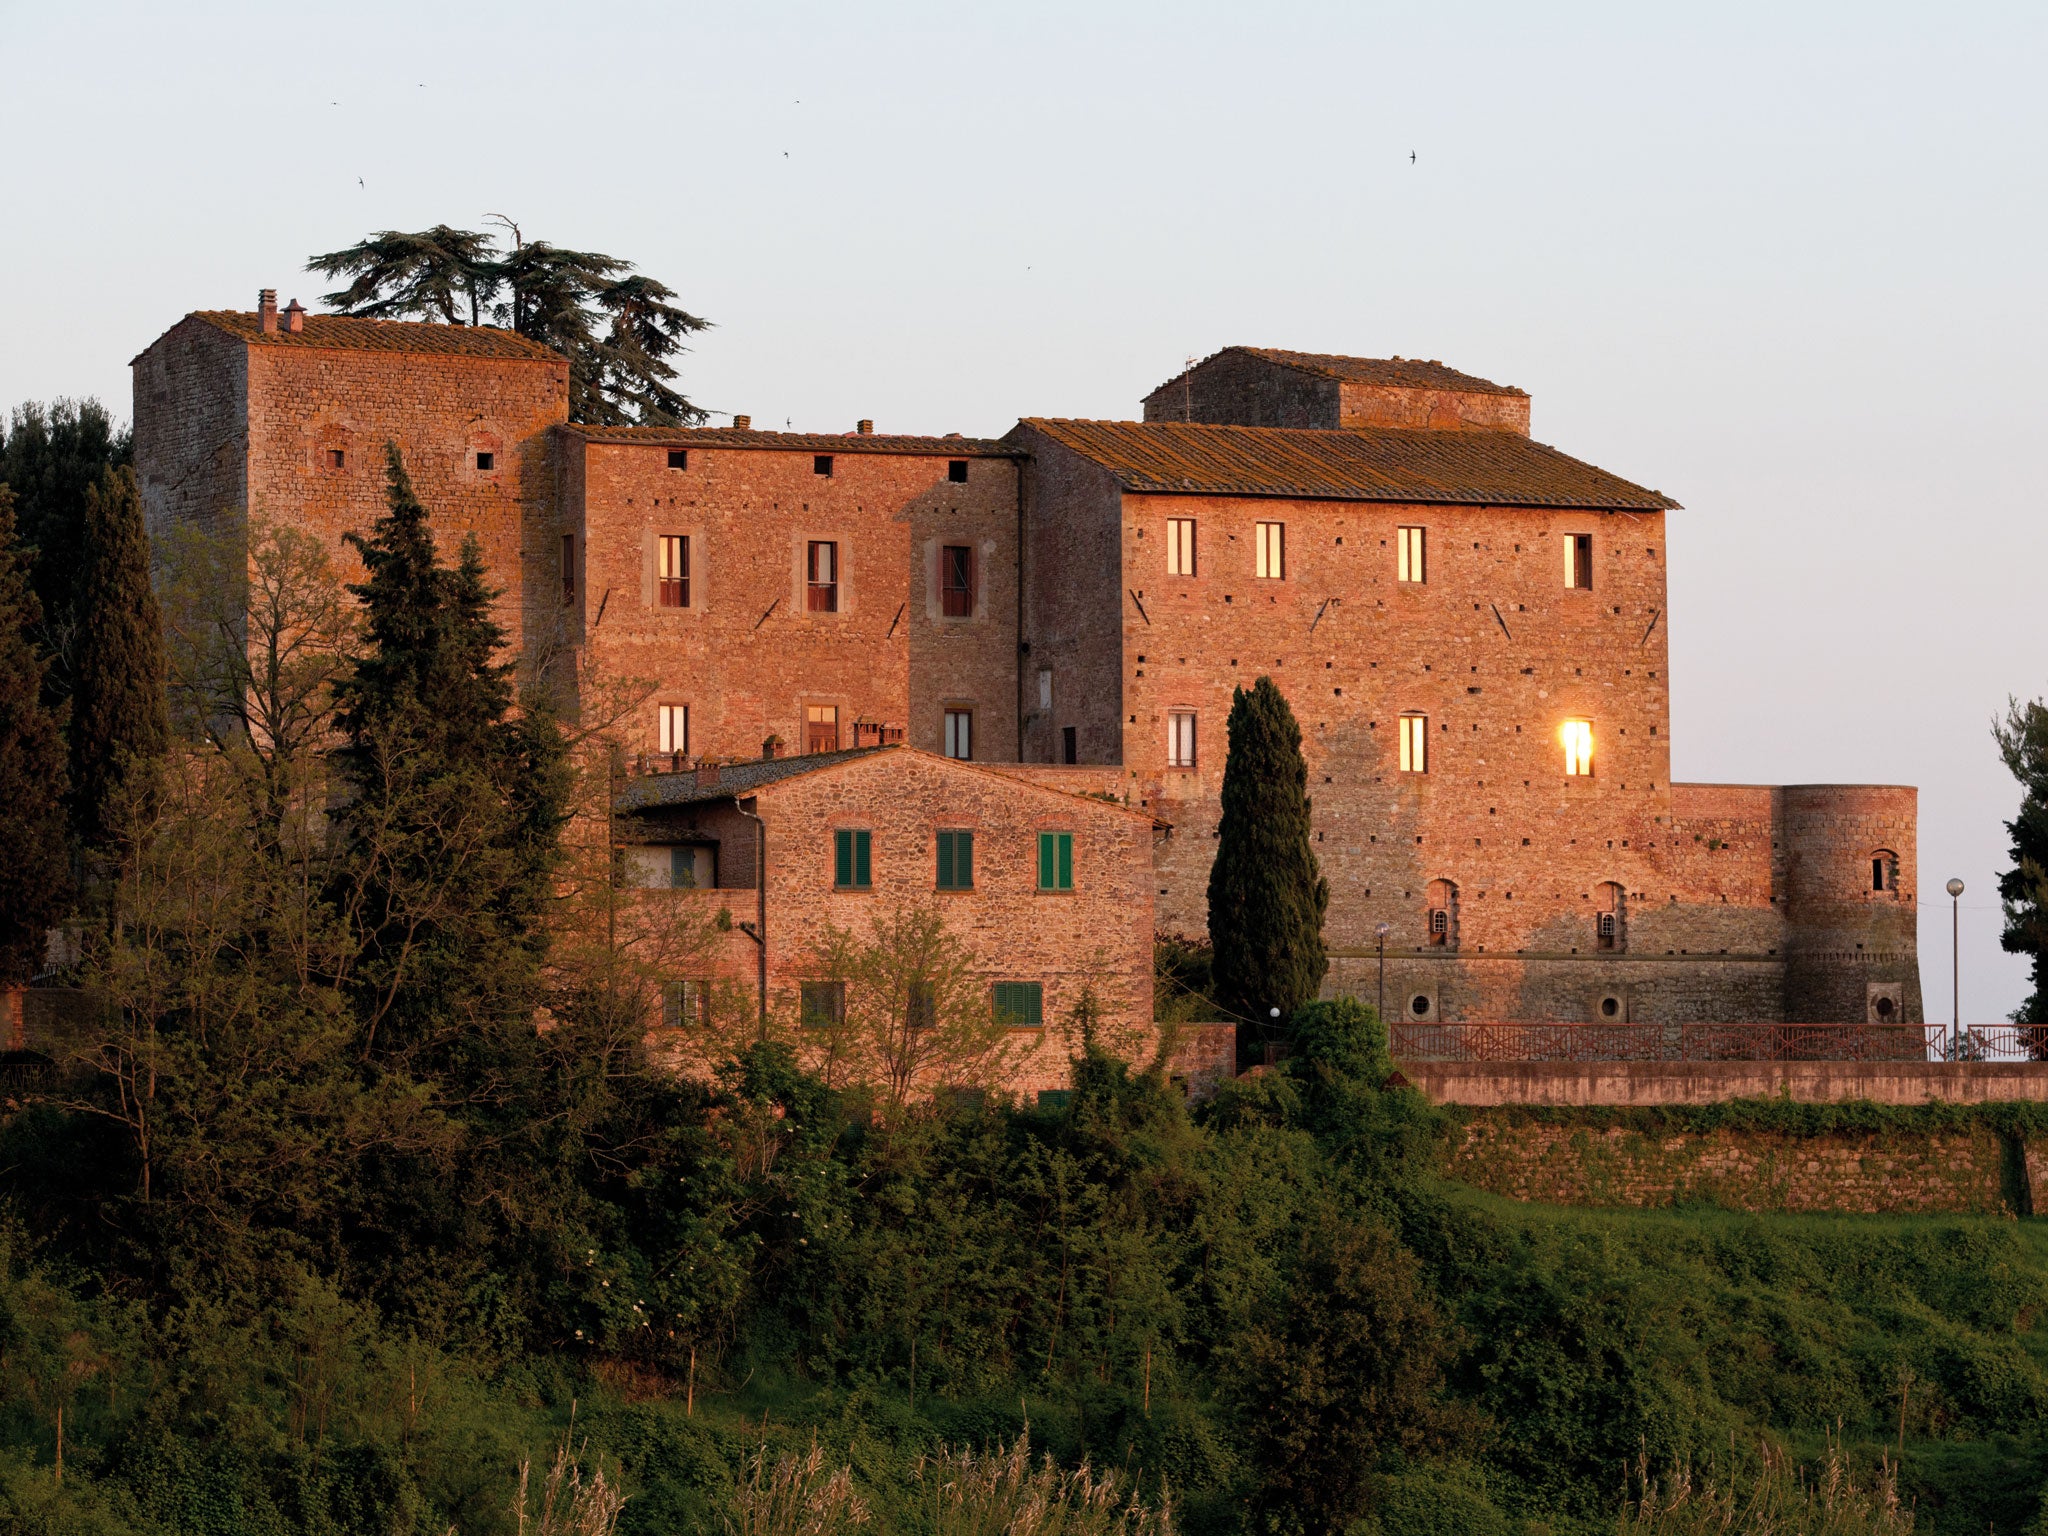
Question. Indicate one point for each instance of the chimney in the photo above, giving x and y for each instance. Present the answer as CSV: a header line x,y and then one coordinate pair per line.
x,y
742,423
865,428
266,311
707,775
772,747
295,317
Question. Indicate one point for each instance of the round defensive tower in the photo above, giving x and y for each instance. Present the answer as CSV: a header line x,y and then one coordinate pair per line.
x,y
1851,904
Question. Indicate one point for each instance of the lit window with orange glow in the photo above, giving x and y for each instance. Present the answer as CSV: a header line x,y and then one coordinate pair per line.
x,y
1415,744
1578,747
1408,553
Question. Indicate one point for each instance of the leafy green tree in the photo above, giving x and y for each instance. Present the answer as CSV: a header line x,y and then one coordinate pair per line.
x,y
35,874
2022,738
452,830
1350,1369
1266,895
51,456
618,328
120,724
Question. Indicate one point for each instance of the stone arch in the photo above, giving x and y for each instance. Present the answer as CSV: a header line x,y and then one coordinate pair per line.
x,y
1610,917
1884,872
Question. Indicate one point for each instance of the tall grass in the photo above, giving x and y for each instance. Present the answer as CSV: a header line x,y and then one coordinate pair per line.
x,y
1779,1499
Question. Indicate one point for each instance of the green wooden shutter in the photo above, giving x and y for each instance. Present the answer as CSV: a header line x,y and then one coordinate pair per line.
x,y
863,847
1047,863
842,858
945,861
1066,861
963,860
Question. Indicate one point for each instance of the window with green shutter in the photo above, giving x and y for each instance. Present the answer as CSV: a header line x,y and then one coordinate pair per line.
x,y
1055,861
956,861
1020,1004
850,859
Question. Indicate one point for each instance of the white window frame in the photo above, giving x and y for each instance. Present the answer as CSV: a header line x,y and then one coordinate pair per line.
x,y
672,563
1415,743
1411,551
672,728
959,736
1270,540
1180,546
1183,738
1577,736
1572,569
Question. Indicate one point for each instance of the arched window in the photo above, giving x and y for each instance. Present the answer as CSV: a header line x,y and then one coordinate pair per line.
x,y
1610,917
1443,914
1884,870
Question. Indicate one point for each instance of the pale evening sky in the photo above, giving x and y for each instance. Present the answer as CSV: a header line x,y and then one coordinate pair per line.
x,y
1779,261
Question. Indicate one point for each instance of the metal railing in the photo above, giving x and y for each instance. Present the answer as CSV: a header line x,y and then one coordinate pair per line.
x,y
1717,1042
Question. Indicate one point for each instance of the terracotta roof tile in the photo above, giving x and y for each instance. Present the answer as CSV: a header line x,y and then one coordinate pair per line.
x,y
340,332
792,442
1351,464
1398,372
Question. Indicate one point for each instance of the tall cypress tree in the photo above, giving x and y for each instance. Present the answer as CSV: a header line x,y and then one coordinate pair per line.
x,y
35,874
2022,738
1266,895
120,723
450,836
51,456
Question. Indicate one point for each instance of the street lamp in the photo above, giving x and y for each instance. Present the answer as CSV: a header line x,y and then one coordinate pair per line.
x,y
1955,930
1381,933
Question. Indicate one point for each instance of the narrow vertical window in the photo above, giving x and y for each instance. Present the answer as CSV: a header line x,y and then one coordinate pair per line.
x,y
1045,687
956,581
1408,555
822,577
1070,744
486,461
1019,1004
1578,747
1180,739
692,867
568,567
685,1004
1578,561
921,1005
1415,743
960,734
821,728
1271,539
852,850
1180,546
674,558
956,861
1055,861
672,728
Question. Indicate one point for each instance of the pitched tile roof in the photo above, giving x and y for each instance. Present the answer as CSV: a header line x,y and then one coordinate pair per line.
x,y
659,790
662,789
1399,372
793,442
1350,464
341,332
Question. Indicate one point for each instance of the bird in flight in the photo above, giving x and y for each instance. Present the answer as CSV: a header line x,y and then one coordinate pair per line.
x,y
1411,157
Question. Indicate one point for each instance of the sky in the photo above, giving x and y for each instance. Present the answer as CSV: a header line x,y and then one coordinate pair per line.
x,y
1782,262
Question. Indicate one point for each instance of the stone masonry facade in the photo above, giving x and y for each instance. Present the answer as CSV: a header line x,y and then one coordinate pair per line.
x,y
1073,605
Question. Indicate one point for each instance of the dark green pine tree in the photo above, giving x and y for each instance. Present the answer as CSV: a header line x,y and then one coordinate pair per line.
x,y
35,870
120,723
50,457
451,835
2023,742
1266,895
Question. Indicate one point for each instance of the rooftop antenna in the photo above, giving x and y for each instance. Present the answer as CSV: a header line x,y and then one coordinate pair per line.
x,y
1187,392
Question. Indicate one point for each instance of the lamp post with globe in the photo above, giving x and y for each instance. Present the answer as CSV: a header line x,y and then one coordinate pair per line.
x,y
1955,932
1381,933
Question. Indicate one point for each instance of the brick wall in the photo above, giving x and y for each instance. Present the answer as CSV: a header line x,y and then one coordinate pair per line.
x,y
1098,936
1746,1170
747,655
191,429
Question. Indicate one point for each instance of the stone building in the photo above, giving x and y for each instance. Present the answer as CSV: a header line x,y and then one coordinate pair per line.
x,y
1470,626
